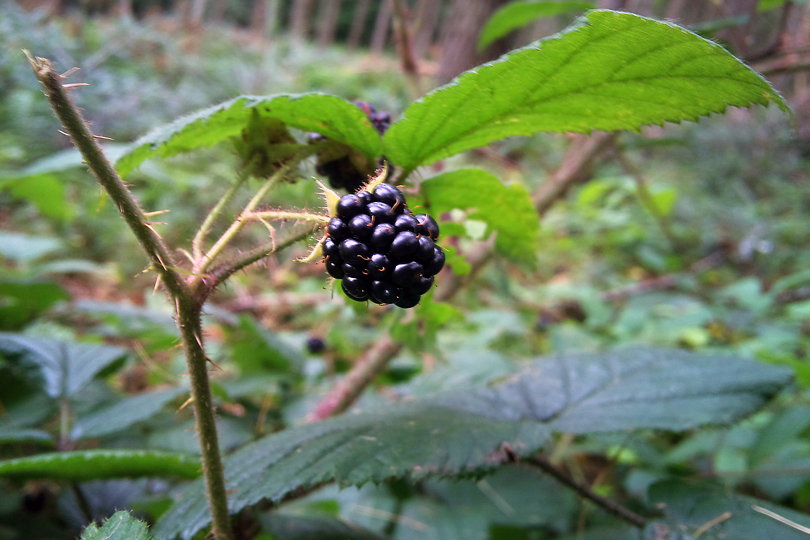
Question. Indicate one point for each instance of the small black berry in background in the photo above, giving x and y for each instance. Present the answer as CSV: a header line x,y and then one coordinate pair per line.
x,y
381,251
315,345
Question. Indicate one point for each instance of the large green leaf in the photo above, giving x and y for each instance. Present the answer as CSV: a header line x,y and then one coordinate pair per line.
x,y
690,506
610,71
65,366
119,526
507,210
517,14
122,414
470,431
83,465
329,115
410,440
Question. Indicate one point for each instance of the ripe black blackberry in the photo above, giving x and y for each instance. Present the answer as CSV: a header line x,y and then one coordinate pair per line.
x,y
380,250
349,170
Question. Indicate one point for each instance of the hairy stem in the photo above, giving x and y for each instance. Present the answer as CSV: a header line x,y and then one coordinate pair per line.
x,y
202,265
80,134
187,309
586,492
219,274
283,214
188,321
199,238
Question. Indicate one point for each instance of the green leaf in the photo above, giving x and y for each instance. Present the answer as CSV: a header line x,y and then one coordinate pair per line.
x,y
83,465
24,248
65,366
119,526
256,349
331,116
688,507
465,432
63,160
507,210
23,301
10,434
610,71
123,414
623,389
45,191
517,14
353,450
294,527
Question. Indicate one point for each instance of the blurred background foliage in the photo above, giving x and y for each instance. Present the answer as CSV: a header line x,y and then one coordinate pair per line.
x,y
692,236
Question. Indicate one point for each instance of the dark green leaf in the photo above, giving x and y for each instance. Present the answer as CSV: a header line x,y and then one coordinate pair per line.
x,y
65,366
293,527
353,450
611,71
123,413
517,14
513,495
260,350
119,526
329,115
507,210
689,507
23,301
83,465
641,388
471,430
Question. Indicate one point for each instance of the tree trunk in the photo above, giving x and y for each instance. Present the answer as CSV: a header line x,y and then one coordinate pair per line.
x,y
327,26
427,19
381,27
460,32
358,23
299,18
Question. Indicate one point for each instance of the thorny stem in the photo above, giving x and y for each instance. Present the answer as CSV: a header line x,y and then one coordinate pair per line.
x,y
202,265
575,167
282,214
187,309
79,132
586,492
219,274
199,238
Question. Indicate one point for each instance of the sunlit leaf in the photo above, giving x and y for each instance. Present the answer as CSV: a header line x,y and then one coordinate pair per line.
x,y
610,71
331,116
507,210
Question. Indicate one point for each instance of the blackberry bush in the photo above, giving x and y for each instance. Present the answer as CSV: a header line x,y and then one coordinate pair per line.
x,y
380,250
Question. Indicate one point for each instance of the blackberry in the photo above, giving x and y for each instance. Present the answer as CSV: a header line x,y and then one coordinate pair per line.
x,y
346,168
380,250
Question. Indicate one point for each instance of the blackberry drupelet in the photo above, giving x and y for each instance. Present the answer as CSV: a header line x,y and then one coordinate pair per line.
x,y
380,250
